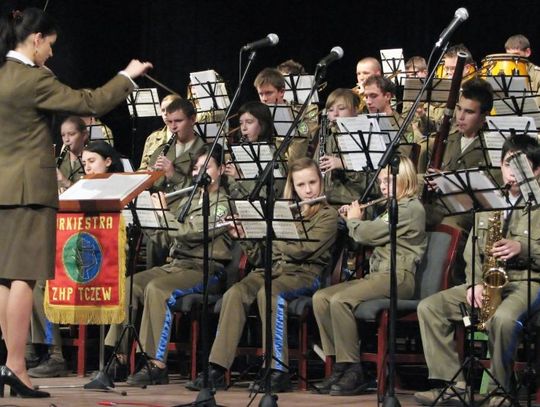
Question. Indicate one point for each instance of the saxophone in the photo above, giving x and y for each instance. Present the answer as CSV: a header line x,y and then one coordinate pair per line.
x,y
494,275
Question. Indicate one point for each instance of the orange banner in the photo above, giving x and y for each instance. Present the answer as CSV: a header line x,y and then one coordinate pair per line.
x,y
89,284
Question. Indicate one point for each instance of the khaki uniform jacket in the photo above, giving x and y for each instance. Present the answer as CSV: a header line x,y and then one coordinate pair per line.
x,y
72,174
411,237
188,243
27,96
517,230
182,166
300,256
153,141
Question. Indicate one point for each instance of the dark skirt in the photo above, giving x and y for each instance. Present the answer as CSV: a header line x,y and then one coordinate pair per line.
x,y
27,242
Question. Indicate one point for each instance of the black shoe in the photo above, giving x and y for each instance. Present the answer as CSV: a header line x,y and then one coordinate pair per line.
x,y
32,361
157,375
337,373
280,382
17,387
50,367
117,371
351,383
216,380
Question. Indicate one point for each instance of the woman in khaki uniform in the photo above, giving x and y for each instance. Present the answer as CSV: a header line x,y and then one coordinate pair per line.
x,y
29,197
296,270
74,137
334,306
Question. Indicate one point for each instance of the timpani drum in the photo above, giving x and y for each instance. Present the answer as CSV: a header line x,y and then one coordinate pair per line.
x,y
504,64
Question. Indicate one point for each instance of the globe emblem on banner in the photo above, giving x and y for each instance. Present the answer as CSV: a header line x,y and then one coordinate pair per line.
x,y
82,256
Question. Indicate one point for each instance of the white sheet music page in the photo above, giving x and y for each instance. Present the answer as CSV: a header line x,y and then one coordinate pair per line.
x,y
528,182
146,102
247,160
147,218
254,229
283,118
501,128
284,229
393,62
116,187
520,106
202,84
373,139
303,85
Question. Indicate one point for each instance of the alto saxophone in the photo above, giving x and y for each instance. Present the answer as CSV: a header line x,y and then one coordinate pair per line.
x,y
494,276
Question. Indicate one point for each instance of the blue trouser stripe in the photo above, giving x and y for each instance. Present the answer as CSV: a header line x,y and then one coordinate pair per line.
x,y
279,327
167,323
508,356
48,332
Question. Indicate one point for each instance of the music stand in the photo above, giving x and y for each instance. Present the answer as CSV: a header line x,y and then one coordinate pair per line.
x,y
208,91
297,88
517,106
283,116
530,191
142,102
469,191
113,191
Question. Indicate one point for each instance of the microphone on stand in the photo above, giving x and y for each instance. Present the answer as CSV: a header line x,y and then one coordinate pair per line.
x,y
460,15
269,41
335,54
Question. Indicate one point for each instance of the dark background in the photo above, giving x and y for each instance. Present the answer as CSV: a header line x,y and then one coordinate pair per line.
x,y
98,38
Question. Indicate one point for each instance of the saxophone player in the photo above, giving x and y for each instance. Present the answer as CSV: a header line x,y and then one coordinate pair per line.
x,y
437,312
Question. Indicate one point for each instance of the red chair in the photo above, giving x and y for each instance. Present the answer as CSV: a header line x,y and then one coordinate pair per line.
x,y
432,275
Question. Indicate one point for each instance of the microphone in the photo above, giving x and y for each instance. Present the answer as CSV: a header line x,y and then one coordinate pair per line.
x,y
460,15
269,41
335,54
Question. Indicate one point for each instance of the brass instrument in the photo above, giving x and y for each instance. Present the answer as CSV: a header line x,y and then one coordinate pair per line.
x,y
359,90
494,275
65,149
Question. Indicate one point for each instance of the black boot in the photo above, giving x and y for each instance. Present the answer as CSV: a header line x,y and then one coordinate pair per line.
x,y
216,379
337,372
351,383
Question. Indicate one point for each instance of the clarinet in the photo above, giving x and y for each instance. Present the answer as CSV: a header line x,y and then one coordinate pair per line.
x,y
65,149
167,146
323,134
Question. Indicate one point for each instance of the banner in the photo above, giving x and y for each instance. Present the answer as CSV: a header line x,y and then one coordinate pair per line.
x,y
89,283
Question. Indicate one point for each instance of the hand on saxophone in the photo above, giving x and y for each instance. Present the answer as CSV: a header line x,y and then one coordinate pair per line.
x,y
505,249
329,163
478,295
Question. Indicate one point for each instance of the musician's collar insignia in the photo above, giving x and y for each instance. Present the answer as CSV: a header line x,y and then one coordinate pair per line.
x,y
384,217
221,211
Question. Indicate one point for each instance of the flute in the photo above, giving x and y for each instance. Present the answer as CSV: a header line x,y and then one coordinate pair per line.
x,y
374,202
308,201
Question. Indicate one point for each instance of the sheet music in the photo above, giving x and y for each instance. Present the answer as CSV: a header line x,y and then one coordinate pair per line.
x,y
439,92
393,62
96,132
147,218
283,117
504,86
522,106
373,139
257,229
387,125
116,187
126,162
501,128
206,84
453,186
247,162
209,131
528,182
146,102
303,85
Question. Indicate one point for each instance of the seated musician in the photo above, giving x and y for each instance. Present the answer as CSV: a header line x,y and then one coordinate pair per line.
x,y
296,273
334,306
519,45
340,186
438,313
270,85
256,126
159,287
158,137
94,122
365,68
74,137
98,157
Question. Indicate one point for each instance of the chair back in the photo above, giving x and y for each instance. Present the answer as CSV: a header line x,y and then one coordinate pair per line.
x,y
433,272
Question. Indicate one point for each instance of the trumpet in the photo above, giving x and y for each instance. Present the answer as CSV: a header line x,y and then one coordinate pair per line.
x,y
308,202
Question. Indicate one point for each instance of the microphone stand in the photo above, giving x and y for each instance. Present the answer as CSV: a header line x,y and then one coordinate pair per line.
x,y
389,158
205,396
267,178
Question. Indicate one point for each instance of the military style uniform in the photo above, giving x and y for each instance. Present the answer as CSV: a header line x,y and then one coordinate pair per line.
x,y
158,288
296,270
152,143
72,170
334,306
438,313
534,74
306,130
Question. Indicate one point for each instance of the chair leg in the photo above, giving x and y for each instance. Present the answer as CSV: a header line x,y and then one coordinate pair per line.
x,y
382,349
194,348
302,358
328,366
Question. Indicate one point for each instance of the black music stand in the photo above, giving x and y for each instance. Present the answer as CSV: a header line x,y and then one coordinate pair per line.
x,y
142,102
530,191
298,87
470,191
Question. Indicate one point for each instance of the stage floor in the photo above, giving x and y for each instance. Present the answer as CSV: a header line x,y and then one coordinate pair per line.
x,y
175,394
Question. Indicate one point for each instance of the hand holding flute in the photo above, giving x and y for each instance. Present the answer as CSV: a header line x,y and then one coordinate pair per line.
x,y
356,210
